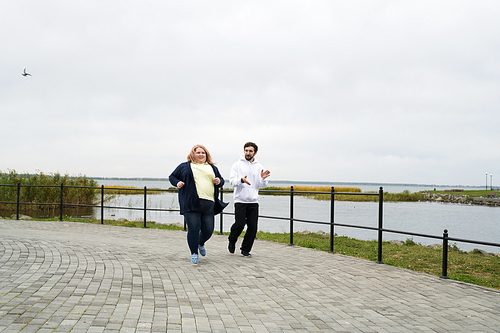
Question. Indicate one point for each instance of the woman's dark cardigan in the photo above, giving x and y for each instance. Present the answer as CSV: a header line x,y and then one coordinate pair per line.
x,y
188,196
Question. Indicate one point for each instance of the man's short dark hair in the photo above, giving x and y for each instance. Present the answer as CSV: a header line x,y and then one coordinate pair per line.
x,y
251,144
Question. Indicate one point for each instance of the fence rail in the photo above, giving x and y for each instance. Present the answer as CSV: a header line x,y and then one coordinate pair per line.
x,y
332,224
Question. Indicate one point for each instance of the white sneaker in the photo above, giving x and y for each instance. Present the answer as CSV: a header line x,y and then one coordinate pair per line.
x,y
194,258
202,250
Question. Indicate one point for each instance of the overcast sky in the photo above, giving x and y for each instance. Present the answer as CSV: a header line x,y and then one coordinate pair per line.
x,y
338,91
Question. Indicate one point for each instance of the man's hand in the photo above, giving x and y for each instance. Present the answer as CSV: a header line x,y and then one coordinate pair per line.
x,y
216,181
180,184
265,174
244,179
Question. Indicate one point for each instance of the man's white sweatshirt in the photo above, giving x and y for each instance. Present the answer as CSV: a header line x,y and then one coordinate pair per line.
x,y
244,193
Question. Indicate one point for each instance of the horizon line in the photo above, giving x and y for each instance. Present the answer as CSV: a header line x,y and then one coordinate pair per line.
x,y
299,181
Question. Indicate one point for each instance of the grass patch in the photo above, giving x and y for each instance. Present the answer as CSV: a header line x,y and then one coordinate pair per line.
x,y
131,190
472,267
130,224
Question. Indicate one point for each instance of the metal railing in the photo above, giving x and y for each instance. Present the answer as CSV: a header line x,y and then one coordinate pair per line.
x,y
61,204
332,223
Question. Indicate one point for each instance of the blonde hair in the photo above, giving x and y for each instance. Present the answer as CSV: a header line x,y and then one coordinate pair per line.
x,y
192,154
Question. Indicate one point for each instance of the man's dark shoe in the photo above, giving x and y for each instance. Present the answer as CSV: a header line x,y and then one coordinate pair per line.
x,y
245,253
231,247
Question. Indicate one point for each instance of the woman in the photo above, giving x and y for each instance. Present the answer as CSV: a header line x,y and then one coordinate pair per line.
x,y
198,181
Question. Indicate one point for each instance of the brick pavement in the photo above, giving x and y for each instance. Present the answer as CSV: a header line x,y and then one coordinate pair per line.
x,y
76,277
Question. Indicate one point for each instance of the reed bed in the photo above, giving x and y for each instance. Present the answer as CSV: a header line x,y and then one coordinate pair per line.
x,y
45,188
405,196
318,196
130,190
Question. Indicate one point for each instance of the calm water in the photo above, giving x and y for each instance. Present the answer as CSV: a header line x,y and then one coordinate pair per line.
x,y
462,221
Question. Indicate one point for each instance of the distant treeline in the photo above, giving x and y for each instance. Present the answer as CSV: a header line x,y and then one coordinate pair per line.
x,y
47,189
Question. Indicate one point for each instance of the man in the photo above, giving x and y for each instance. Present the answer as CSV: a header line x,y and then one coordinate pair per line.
x,y
247,176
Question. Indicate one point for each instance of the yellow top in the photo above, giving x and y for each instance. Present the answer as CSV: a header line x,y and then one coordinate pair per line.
x,y
204,180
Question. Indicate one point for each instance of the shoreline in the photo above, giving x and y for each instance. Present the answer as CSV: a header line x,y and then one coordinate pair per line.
x,y
461,199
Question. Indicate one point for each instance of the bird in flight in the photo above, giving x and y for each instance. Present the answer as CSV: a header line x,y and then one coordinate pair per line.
x,y
25,73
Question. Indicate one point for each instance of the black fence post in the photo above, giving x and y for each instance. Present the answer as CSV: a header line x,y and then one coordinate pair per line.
x,y
380,224
332,218
18,200
445,255
145,204
291,215
102,204
61,205
221,213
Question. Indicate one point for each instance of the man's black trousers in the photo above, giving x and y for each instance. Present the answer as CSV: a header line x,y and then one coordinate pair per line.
x,y
245,214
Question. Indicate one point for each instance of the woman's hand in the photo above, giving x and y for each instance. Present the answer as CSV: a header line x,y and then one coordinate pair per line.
x,y
216,181
180,184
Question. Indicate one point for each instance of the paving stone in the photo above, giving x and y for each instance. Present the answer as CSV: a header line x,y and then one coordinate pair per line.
x,y
78,277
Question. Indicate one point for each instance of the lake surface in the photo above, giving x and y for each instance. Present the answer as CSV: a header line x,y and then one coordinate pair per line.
x,y
472,222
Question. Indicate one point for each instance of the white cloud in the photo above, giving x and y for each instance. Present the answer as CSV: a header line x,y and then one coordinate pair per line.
x,y
382,91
